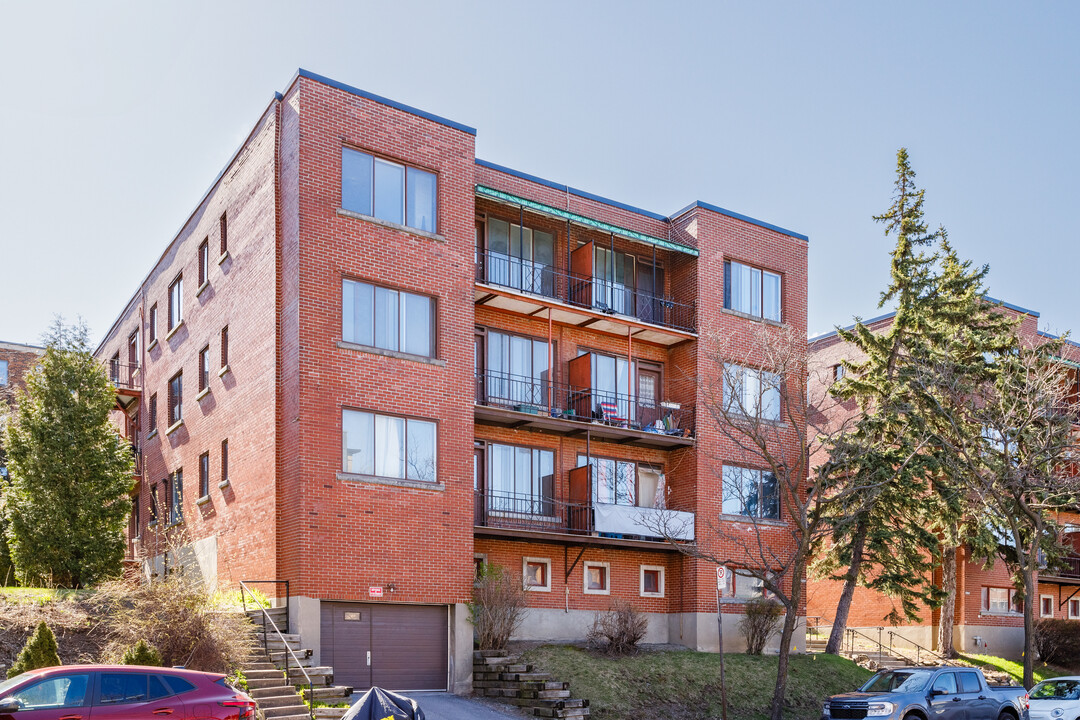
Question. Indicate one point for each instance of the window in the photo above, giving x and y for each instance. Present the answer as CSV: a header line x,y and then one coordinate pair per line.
x,y
152,330
154,503
752,291
838,372
152,420
176,498
622,482
479,561
176,392
652,581
204,475
969,682
225,347
204,368
523,259
743,585
1046,606
751,392
136,516
224,462
204,262
3,372
121,688
114,368
223,225
753,493
945,684
60,691
537,573
388,446
176,302
388,319
521,480
1074,609
1001,600
597,578
388,191
517,370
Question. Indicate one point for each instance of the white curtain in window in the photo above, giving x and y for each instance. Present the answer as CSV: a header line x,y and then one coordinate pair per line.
x,y
389,446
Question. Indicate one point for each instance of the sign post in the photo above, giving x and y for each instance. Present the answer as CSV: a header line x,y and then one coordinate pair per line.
x,y
721,577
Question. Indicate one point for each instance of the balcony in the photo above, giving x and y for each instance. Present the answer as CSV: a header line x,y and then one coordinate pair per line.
x,y
1067,572
128,381
581,299
523,402
523,516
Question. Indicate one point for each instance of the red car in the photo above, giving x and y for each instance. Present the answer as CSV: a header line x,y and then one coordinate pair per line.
x,y
121,692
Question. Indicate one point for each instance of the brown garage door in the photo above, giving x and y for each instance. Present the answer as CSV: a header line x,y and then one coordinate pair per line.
x,y
408,645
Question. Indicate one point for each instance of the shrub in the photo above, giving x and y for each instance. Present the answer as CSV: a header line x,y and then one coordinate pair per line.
x,y
498,606
619,630
141,653
40,651
761,619
179,618
1057,641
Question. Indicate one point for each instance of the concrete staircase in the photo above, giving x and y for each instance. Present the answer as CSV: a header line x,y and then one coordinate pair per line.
x,y
278,697
504,677
867,653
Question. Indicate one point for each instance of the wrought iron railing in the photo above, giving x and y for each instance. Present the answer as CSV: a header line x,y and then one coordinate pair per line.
x,y
539,396
605,295
540,512
124,375
268,621
1068,567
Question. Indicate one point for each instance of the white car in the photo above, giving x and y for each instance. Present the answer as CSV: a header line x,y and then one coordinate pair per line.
x,y
1055,699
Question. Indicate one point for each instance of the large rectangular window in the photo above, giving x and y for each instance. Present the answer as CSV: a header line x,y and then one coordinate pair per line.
x,y
516,370
388,446
753,493
388,191
176,302
521,480
176,398
388,319
520,258
751,392
752,291
1001,600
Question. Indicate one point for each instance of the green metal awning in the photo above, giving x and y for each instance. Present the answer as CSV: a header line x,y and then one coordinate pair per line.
x,y
584,221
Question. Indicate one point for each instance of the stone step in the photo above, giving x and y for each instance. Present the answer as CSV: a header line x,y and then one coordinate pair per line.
x,y
525,676
481,654
300,653
248,667
494,660
564,713
543,694
262,683
287,711
330,713
320,676
273,701
557,704
329,693
263,674
257,693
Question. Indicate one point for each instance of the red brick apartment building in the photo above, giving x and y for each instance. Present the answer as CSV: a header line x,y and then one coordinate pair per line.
x,y
370,361
16,360
989,616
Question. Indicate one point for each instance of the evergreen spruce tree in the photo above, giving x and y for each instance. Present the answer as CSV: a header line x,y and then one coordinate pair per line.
x,y
141,653
40,651
66,501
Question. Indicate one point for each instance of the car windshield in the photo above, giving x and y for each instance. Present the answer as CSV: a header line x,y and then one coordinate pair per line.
x,y
1056,690
898,681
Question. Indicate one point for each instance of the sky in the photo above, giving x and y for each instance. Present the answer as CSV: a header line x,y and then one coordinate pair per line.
x,y
117,117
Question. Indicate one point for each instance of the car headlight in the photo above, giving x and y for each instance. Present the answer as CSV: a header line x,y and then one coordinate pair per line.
x,y
1057,712
825,710
880,709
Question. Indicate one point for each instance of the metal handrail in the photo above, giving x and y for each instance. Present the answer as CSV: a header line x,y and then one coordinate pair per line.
x,y
123,375
285,644
919,649
246,583
604,295
851,633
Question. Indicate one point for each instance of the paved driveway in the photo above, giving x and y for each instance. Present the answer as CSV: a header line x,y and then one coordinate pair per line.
x,y
446,706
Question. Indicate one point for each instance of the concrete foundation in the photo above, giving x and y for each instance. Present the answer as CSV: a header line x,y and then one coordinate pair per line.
x,y
1006,642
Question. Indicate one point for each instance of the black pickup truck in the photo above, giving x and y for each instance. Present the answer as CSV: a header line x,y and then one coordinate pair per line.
x,y
946,693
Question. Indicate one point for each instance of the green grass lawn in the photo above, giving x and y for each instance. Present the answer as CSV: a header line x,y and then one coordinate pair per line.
x,y
685,685
1015,669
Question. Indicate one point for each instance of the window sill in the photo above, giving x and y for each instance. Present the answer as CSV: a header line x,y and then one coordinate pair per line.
x,y
988,613
152,345
538,588
223,484
747,520
652,595
223,258
597,592
202,288
174,427
396,482
203,393
755,318
392,225
203,500
151,434
391,353
175,329
222,371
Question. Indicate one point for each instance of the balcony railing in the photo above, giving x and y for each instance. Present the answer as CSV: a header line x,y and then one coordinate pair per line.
x,y
1068,567
582,404
536,513
604,295
124,376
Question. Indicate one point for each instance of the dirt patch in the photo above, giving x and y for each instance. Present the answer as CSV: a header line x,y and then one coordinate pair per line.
x,y
72,620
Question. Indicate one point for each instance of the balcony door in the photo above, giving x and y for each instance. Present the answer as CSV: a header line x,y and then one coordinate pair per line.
x,y
649,303
648,395
515,371
520,258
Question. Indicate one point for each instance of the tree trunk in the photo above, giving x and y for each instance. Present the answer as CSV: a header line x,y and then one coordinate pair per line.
x,y
948,607
851,579
776,710
1030,599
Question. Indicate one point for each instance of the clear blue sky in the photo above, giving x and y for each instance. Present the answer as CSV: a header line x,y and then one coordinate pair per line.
x,y
117,116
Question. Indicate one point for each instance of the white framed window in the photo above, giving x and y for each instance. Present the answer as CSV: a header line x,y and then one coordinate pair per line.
x,y
1046,606
752,290
1074,609
479,561
597,578
751,392
652,581
536,573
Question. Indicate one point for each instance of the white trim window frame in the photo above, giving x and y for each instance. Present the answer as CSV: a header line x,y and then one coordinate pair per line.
x,y
597,582
528,576
1074,609
1042,606
659,570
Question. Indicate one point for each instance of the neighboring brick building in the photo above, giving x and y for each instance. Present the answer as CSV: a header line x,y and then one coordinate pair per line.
x,y
352,326
988,617
16,360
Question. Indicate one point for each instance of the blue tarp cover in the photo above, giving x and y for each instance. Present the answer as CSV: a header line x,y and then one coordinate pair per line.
x,y
379,704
